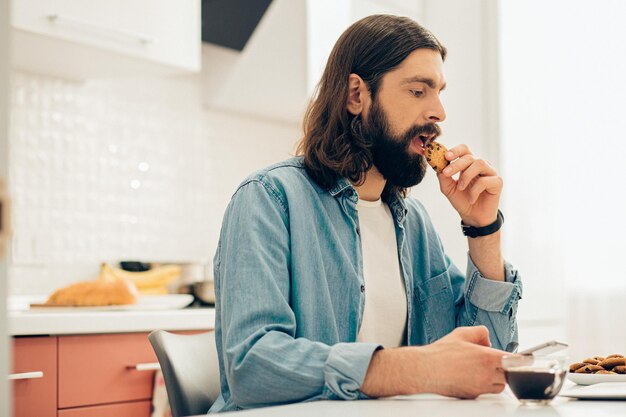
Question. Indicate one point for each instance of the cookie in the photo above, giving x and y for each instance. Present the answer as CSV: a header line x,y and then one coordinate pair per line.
x,y
609,363
573,367
592,361
615,355
619,369
435,156
598,358
589,369
604,371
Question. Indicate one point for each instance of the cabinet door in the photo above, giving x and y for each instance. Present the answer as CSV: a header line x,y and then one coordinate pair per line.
x,y
133,409
81,39
101,369
34,377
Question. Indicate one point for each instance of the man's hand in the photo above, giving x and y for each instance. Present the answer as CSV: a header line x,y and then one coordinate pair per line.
x,y
460,364
476,194
463,365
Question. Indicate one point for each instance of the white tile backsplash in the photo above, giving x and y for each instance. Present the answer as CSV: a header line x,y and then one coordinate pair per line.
x,y
123,169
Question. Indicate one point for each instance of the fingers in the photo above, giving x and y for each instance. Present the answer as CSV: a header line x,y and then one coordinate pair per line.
x,y
459,165
493,363
480,369
492,185
478,168
498,378
478,335
497,388
457,152
470,168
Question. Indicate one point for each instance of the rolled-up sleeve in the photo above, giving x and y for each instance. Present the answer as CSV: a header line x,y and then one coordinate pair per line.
x,y
345,369
494,304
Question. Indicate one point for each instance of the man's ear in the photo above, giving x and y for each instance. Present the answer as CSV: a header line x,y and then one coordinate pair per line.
x,y
358,94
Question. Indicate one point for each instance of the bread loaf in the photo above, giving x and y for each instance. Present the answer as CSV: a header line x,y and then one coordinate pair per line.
x,y
95,293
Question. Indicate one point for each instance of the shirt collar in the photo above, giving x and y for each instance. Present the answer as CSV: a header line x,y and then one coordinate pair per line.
x,y
341,185
395,203
397,207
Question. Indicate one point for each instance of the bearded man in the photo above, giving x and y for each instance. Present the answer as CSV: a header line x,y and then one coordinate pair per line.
x,y
331,282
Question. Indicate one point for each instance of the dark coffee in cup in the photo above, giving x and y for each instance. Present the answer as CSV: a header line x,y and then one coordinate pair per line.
x,y
534,384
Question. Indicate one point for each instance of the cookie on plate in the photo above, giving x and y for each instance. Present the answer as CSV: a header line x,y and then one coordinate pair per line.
x,y
609,363
619,369
589,369
575,366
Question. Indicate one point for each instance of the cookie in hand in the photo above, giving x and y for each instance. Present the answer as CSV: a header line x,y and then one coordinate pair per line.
x,y
435,156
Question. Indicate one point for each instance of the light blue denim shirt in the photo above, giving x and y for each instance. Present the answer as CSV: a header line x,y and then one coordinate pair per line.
x,y
290,290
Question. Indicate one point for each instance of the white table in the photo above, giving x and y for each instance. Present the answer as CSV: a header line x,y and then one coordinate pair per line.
x,y
433,405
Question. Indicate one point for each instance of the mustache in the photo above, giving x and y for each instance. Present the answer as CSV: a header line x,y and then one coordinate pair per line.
x,y
427,129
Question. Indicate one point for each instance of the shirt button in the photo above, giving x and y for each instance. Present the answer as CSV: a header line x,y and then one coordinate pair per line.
x,y
362,288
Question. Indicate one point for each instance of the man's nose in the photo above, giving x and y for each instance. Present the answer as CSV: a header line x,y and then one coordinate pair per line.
x,y
436,113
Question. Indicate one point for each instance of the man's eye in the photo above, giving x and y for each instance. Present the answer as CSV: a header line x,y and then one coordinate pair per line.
x,y
417,93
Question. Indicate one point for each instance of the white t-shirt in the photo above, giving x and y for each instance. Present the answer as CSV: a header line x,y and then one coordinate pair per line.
x,y
384,316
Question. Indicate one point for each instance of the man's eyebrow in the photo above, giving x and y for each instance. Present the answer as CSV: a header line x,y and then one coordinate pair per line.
x,y
417,79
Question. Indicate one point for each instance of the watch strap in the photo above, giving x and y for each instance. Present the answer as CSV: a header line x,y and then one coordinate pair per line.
x,y
473,232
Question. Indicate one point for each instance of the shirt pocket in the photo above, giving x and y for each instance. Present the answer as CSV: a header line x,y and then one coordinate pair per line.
x,y
437,302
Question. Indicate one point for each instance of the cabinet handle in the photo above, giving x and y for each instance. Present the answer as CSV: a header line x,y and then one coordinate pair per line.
x,y
26,375
141,37
152,366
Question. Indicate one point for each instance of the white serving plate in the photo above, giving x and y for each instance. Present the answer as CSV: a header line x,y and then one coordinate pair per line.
x,y
144,302
590,379
598,391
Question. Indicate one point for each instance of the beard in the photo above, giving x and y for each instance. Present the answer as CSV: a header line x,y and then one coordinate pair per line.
x,y
391,154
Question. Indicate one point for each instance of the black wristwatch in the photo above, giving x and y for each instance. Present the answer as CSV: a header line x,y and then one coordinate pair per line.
x,y
471,231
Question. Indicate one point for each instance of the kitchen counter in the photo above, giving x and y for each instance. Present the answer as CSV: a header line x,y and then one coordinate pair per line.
x,y
27,323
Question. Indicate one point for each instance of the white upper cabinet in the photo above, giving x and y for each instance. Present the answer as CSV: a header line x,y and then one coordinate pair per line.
x,y
80,39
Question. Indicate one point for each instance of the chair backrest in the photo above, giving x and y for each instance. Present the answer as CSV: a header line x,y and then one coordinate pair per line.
x,y
190,369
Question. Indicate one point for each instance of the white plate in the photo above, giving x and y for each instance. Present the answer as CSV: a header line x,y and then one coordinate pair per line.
x,y
590,379
599,391
144,302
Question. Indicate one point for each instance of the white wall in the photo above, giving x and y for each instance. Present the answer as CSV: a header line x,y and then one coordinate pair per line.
x,y
464,27
563,89
107,170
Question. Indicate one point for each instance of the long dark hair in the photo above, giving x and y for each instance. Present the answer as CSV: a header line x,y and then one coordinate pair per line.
x,y
370,48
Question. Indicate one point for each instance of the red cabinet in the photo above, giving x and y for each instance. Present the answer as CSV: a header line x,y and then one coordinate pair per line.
x,y
101,369
34,377
84,375
132,409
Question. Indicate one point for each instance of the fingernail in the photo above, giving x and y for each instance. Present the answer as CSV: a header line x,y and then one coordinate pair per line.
x,y
447,170
449,154
461,185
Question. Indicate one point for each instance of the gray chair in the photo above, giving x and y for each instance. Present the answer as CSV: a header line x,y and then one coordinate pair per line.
x,y
190,369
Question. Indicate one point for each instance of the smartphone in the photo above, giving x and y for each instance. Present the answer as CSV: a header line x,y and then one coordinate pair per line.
x,y
544,348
